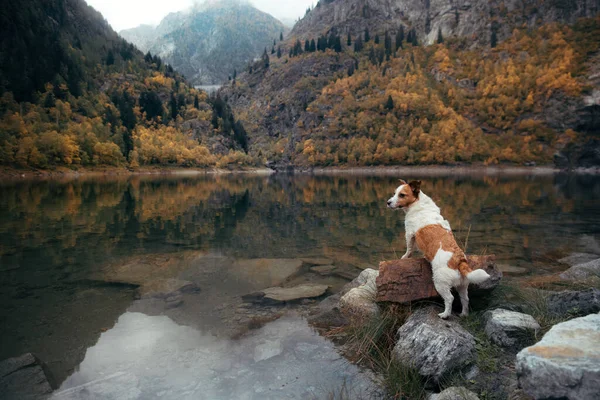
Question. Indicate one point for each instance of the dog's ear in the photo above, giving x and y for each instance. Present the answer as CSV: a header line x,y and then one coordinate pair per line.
x,y
402,181
416,187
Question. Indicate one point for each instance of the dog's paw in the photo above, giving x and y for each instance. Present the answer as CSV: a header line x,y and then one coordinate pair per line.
x,y
443,315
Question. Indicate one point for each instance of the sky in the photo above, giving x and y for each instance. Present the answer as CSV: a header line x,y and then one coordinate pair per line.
x,y
125,14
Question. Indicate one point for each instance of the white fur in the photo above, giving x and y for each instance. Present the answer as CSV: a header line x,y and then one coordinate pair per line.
x,y
425,212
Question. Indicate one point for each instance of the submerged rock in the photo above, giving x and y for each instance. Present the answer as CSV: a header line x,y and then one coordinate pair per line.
x,y
282,295
359,303
574,303
316,261
323,269
510,329
565,363
578,258
433,346
261,273
23,378
164,288
583,271
454,393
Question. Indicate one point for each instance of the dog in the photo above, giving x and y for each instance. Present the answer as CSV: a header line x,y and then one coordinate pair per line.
x,y
432,234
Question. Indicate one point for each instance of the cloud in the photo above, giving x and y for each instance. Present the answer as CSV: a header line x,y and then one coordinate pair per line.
x,y
124,14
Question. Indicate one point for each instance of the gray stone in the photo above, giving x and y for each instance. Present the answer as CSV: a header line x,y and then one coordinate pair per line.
x,y
510,329
164,288
578,258
268,349
315,261
583,271
574,303
454,393
358,304
282,295
23,378
512,270
565,363
435,347
323,269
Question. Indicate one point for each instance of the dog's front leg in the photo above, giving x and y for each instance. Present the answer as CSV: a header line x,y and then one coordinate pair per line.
x,y
410,244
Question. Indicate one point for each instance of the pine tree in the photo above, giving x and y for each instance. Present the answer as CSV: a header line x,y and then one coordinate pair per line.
x,y
440,38
367,35
196,102
349,40
337,46
173,105
110,58
313,46
358,44
414,40
389,104
234,73
281,36
273,50
265,59
494,38
377,38
388,44
306,46
399,37
351,70
279,52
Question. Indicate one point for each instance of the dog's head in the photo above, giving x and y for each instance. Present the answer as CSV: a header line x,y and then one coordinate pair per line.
x,y
405,195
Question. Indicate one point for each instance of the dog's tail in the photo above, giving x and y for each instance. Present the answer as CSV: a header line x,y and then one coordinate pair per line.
x,y
477,276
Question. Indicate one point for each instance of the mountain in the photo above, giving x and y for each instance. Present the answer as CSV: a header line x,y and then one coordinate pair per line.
x,y
358,83
208,42
73,93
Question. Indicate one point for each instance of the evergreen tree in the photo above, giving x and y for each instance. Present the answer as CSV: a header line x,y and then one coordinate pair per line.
x,y
351,70
306,46
331,41
494,38
414,40
234,73
338,44
313,46
281,36
196,102
367,35
265,59
377,38
358,44
273,50
150,104
389,104
349,40
388,44
279,52
440,38
148,58
399,37
110,58
372,56
173,106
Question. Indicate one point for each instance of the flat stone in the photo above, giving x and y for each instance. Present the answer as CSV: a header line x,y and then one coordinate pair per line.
x,y
510,329
574,303
583,271
578,258
267,350
358,304
261,273
435,347
403,281
312,261
454,393
565,363
282,295
23,378
163,288
512,270
323,269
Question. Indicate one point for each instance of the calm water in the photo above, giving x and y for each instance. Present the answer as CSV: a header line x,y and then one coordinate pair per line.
x,y
72,254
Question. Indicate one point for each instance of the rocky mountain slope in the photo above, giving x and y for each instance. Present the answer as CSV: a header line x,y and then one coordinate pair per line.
x,y
394,100
210,41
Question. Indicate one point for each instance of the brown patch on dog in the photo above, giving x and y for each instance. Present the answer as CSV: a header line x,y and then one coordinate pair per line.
x,y
415,186
431,237
406,196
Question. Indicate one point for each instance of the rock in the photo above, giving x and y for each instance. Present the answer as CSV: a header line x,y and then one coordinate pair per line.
x,y
583,271
403,281
574,303
565,363
163,288
510,329
316,261
454,393
23,378
359,303
578,258
433,346
323,269
261,273
512,270
268,349
282,295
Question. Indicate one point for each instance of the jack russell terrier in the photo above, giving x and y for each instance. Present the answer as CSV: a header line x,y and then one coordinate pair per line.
x,y
432,234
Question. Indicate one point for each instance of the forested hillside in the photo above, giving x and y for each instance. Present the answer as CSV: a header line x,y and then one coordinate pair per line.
x,y
381,97
73,93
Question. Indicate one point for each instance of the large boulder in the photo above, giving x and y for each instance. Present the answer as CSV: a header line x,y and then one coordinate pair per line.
x,y
433,346
403,281
581,272
510,329
23,378
574,303
359,303
565,364
578,258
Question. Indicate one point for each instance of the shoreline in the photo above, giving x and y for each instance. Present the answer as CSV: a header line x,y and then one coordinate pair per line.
x,y
14,174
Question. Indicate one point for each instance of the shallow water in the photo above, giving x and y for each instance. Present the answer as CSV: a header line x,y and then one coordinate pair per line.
x,y
73,252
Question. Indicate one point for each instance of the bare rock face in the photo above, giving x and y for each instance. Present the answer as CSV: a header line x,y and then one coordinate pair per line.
x,y
510,329
433,346
23,378
403,281
565,363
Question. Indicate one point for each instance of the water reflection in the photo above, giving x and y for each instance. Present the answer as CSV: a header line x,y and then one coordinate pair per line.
x,y
57,237
146,357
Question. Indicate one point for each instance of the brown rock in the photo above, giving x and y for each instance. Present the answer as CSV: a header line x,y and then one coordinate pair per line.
x,y
403,281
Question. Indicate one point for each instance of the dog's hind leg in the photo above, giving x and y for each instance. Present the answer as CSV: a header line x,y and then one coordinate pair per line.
x,y
463,292
444,291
